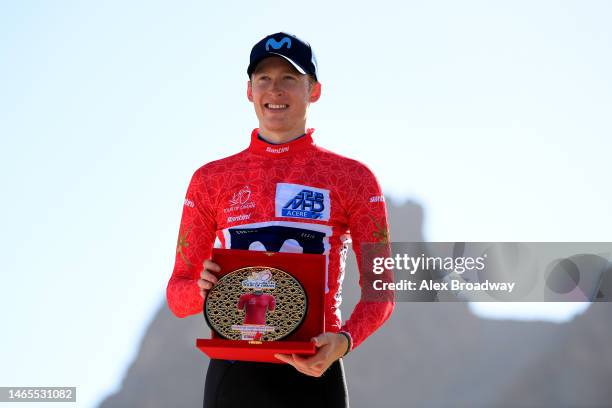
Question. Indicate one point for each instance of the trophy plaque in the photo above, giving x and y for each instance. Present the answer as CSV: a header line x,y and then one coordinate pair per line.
x,y
264,303
256,303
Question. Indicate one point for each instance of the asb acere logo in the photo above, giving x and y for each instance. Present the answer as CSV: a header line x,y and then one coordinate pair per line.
x,y
305,202
297,201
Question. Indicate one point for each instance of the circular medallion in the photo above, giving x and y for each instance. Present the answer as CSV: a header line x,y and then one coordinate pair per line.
x,y
256,303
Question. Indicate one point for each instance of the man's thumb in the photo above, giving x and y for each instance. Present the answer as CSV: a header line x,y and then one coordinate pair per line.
x,y
320,340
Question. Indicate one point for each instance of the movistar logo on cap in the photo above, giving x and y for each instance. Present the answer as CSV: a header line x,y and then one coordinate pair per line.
x,y
297,201
277,45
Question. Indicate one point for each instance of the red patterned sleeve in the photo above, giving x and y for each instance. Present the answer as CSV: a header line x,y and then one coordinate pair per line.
x,y
241,301
194,245
272,304
368,224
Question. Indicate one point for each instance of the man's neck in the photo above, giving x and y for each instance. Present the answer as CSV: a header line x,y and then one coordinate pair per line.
x,y
281,137
272,143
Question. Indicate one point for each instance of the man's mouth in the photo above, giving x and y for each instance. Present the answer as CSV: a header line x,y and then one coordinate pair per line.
x,y
273,106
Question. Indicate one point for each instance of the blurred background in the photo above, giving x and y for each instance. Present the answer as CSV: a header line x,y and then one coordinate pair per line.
x,y
484,121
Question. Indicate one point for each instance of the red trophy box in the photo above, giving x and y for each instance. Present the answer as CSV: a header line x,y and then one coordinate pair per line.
x,y
308,270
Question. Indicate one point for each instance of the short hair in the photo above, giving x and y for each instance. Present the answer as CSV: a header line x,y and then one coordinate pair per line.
x,y
311,79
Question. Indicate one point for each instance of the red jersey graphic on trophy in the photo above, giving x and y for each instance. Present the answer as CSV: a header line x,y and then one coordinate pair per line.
x,y
256,305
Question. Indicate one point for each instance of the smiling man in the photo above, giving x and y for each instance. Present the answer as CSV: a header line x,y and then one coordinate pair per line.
x,y
281,96
282,194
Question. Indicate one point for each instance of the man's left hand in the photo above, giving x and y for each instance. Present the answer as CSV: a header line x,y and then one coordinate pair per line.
x,y
330,347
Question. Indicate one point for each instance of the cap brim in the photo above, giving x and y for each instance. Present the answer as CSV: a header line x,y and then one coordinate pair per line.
x,y
270,54
296,66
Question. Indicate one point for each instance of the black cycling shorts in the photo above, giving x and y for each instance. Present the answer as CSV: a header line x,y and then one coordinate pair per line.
x,y
244,384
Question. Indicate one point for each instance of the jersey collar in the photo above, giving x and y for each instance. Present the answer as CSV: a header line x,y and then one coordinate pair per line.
x,y
280,150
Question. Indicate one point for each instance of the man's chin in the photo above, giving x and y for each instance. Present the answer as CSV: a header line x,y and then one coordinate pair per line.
x,y
275,127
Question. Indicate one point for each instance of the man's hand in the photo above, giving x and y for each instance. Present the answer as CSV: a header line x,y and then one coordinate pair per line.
x,y
330,347
207,278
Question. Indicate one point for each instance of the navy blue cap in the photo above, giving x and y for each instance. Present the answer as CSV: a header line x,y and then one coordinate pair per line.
x,y
297,52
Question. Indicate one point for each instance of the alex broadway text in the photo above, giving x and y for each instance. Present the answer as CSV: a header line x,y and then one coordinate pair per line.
x,y
453,285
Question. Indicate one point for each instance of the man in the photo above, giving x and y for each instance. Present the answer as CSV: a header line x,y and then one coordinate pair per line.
x,y
283,193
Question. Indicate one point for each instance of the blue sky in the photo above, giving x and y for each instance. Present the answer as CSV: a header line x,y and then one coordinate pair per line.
x,y
495,116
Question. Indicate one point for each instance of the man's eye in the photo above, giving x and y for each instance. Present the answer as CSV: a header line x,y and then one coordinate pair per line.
x,y
290,78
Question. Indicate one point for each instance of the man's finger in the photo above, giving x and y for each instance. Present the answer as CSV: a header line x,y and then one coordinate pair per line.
x,y
211,266
321,340
314,365
312,361
206,275
204,284
313,372
304,369
285,358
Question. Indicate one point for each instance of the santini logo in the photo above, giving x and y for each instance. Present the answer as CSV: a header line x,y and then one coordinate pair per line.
x,y
239,218
277,45
277,149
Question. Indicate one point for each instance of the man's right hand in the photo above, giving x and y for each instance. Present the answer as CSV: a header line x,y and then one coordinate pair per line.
x,y
207,277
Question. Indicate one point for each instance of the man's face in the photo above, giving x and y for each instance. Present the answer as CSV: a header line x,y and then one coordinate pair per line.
x,y
281,96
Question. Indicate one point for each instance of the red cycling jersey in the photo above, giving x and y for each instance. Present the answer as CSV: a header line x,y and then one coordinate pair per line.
x,y
293,197
256,306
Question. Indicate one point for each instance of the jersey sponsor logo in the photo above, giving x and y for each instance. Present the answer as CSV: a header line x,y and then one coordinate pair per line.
x,y
306,204
277,149
377,199
240,200
277,238
298,201
189,203
239,218
277,45
241,197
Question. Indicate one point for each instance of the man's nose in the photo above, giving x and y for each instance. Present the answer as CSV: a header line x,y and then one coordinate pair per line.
x,y
277,86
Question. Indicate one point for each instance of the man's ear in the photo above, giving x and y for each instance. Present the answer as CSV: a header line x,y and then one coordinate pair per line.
x,y
315,92
249,91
